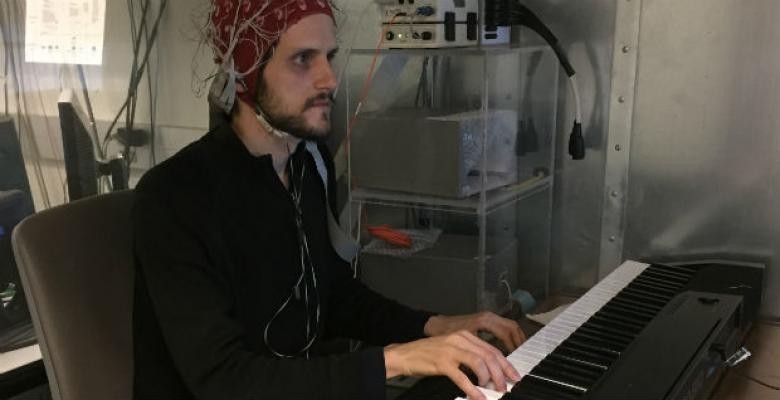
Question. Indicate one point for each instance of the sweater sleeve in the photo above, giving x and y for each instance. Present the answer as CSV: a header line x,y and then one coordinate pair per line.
x,y
360,313
193,305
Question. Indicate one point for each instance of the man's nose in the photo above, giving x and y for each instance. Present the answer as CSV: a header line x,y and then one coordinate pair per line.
x,y
325,78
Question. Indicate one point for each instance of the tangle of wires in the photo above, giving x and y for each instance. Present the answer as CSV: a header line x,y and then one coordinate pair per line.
x,y
143,41
513,13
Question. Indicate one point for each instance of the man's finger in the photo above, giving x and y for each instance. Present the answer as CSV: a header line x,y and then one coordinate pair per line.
x,y
514,336
513,333
509,370
471,358
474,339
518,335
462,381
507,367
500,368
501,330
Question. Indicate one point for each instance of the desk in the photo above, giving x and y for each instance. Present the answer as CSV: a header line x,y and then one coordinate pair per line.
x,y
21,367
20,357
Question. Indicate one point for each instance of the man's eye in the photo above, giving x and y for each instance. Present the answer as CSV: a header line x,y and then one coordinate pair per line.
x,y
301,59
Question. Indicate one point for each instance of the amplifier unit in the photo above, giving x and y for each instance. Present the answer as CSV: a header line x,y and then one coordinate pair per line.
x,y
437,24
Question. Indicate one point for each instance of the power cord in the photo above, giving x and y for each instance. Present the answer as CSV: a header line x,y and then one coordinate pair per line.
x,y
758,381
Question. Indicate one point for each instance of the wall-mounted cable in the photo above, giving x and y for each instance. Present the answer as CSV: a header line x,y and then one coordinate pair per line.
x,y
513,13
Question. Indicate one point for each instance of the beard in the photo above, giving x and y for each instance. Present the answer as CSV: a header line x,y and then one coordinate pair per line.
x,y
281,118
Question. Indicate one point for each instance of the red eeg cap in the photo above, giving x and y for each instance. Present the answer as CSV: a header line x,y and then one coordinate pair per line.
x,y
269,20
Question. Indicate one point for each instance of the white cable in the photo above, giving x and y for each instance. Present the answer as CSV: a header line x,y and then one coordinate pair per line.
x,y
576,91
351,45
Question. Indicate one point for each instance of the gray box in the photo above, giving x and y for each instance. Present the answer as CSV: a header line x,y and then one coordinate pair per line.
x,y
443,279
411,151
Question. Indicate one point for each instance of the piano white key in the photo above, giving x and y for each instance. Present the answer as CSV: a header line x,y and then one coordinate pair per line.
x,y
489,394
526,357
559,329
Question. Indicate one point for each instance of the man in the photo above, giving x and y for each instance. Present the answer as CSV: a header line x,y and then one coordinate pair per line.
x,y
238,282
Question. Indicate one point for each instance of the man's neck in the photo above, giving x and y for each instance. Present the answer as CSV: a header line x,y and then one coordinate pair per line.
x,y
259,141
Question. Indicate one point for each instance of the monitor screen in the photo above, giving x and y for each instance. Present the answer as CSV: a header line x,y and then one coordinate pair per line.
x,y
80,163
14,174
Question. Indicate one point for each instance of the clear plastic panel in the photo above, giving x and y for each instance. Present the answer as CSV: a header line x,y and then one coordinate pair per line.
x,y
452,150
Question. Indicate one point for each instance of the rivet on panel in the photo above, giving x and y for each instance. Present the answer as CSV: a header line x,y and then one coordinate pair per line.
x,y
614,194
626,49
618,148
612,238
621,99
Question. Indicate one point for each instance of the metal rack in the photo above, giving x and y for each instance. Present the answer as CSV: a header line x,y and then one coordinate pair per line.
x,y
491,238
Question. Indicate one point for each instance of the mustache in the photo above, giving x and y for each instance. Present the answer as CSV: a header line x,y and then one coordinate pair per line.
x,y
328,96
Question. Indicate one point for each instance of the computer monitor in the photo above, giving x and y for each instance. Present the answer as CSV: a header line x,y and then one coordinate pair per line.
x,y
14,173
80,164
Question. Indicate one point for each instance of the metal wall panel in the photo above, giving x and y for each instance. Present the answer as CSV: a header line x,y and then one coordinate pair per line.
x,y
586,28
704,170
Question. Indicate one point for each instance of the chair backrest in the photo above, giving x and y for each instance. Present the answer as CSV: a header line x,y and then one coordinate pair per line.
x,y
76,266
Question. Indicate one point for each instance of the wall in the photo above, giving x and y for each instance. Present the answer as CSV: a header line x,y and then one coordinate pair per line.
x,y
704,175
586,29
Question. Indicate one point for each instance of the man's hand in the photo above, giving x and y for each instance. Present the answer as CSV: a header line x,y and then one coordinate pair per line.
x,y
506,330
443,355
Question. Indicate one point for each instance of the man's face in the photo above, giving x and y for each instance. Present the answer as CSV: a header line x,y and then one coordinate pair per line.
x,y
297,83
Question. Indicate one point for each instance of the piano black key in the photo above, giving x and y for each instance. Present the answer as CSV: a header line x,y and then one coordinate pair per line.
x,y
635,305
685,270
629,320
532,391
606,332
519,395
588,373
667,275
591,349
650,286
561,375
597,340
593,345
659,283
649,303
576,361
627,330
553,387
638,294
654,296
637,314
590,356
676,284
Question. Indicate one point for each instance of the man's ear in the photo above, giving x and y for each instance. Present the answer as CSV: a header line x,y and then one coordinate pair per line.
x,y
240,87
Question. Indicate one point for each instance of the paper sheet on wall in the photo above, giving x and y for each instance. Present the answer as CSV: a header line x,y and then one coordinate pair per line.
x,y
65,31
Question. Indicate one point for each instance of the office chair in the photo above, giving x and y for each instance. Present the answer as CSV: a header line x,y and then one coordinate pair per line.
x,y
76,266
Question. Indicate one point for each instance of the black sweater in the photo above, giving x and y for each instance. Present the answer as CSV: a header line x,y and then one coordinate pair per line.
x,y
216,249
